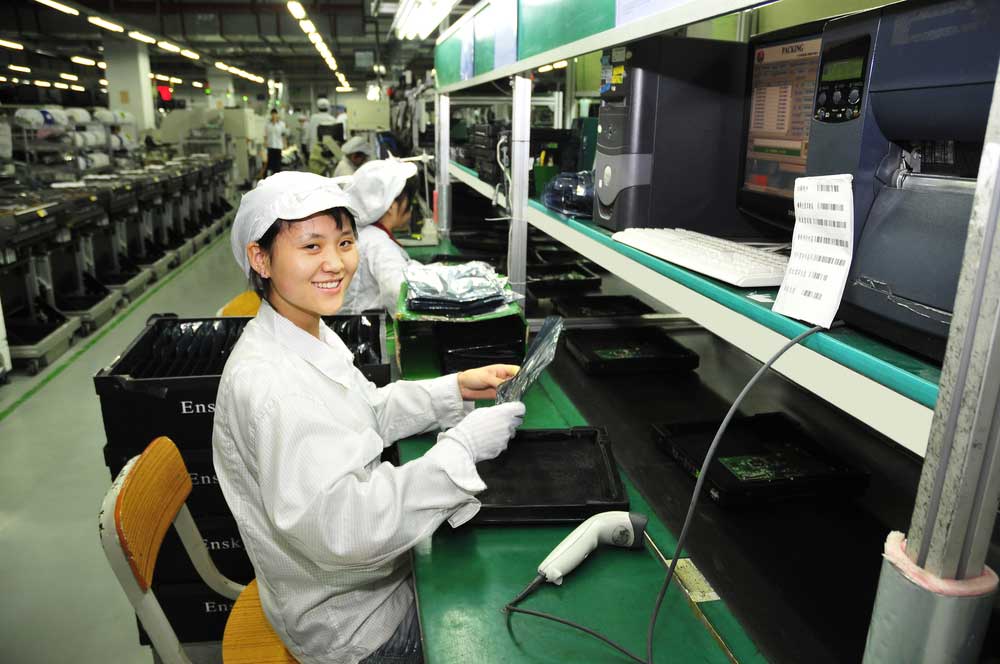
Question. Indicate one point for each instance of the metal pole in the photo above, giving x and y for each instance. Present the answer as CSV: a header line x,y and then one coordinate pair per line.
x,y
442,155
956,503
520,160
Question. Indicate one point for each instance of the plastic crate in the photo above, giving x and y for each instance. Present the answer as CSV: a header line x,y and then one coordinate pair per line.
x,y
600,306
552,280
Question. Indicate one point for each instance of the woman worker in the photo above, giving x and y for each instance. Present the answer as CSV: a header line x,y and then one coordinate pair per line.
x,y
299,432
383,197
356,152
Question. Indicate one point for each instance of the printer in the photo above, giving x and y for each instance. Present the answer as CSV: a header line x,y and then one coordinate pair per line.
x,y
902,100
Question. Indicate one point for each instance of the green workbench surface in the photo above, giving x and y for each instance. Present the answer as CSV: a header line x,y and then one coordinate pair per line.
x,y
465,576
444,246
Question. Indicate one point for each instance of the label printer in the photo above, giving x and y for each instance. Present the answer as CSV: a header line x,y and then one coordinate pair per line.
x,y
901,102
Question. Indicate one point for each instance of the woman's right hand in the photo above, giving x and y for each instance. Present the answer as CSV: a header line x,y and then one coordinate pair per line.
x,y
485,432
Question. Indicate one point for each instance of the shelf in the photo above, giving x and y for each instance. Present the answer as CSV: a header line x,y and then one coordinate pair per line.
x,y
468,176
891,391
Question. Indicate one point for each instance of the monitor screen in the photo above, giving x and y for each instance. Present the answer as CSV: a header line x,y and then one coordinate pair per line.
x,y
782,87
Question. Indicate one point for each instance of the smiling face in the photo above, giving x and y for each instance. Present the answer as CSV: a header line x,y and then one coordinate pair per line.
x,y
309,265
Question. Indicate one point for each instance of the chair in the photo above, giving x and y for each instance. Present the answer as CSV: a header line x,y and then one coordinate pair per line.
x,y
147,496
245,304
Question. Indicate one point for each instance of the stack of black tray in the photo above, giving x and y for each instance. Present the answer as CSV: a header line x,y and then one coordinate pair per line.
x,y
599,306
553,280
629,350
761,458
493,344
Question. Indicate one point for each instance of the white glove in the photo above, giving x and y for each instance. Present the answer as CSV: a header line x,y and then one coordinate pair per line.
x,y
485,432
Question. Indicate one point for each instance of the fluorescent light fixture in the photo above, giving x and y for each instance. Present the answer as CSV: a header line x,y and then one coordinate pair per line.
x,y
69,77
103,82
175,80
43,84
197,84
60,6
15,80
61,86
162,77
26,70
104,91
296,9
151,77
316,38
80,60
544,68
419,18
77,88
344,88
138,36
11,45
102,65
222,65
190,54
167,46
307,26
103,23
559,65
3,79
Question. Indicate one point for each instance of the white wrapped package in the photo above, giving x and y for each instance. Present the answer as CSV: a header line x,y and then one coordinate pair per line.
x,y
78,116
6,141
30,118
104,116
99,160
59,117
79,139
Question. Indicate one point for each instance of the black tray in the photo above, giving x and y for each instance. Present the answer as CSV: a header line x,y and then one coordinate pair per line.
x,y
761,458
599,306
552,280
461,347
628,350
551,476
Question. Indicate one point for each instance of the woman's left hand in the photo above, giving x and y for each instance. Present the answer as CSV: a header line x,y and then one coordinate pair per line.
x,y
482,383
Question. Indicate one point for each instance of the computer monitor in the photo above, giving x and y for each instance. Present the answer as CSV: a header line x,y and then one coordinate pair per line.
x,y
781,86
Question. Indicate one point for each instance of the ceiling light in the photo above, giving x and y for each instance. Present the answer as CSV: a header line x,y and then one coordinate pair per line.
x,y
103,82
138,36
3,79
43,84
559,65
162,77
26,70
80,60
25,82
544,68
102,65
307,26
316,38
344,88
190,54
103,23
69,77
296,9
15,80
197,84
167,46
419,18
10,44
151,77
60,6
77,88
175,81
61,86
222,65
104,91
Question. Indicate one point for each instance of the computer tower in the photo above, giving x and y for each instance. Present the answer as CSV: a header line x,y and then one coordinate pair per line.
x,y
670,135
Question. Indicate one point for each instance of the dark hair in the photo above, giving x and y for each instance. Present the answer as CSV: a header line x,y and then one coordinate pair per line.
x,y
274,110
262,285
407,194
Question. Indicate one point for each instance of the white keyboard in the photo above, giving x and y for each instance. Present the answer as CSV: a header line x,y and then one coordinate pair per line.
x,y
735,263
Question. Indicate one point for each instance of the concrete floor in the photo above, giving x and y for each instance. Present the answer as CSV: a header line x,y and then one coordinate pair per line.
x,y
61,602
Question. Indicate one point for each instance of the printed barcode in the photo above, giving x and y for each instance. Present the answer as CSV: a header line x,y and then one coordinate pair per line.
x,y
812,294
819,258
827,187
831,206
804,205
820,221
802,272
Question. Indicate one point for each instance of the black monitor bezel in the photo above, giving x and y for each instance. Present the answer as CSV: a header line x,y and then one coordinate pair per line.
x,y
770,209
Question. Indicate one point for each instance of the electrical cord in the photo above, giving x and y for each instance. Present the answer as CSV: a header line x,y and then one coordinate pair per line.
x,y
709,456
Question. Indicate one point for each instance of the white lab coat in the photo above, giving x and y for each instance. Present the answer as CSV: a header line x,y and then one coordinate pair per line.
x,y
315,120
380,273
297,438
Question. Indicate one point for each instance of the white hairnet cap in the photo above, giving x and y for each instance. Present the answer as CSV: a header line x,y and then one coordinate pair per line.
x,y
357,144
375,185
284,195
323,104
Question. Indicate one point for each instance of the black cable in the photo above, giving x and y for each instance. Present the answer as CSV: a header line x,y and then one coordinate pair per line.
x,y
701,481
538,580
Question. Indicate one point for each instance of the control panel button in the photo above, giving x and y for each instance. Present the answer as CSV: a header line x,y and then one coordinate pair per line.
x,y
853,96
821,99
607,176
837,96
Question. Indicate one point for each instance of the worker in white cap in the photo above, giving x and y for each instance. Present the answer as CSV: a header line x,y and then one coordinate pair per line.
x,y
299,432
356,152
382,193
320,117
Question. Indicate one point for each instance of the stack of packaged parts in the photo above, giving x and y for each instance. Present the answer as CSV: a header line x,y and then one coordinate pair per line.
x,y
165,384
454,290
482,151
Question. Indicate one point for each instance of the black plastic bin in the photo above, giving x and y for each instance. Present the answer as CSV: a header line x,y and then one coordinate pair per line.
x,y
761,458
551,476
552,280
461,347
600,306
165,383
205,499
196,612
629,350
